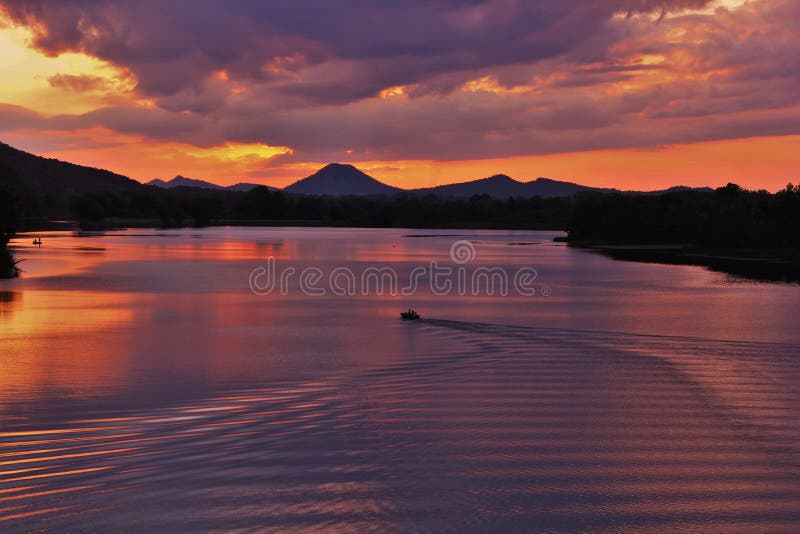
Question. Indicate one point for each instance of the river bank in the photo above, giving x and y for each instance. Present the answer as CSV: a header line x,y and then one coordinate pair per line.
x,y
778,265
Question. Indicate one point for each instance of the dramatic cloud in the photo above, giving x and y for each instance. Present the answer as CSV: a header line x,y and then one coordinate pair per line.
x,y
326,50
441,80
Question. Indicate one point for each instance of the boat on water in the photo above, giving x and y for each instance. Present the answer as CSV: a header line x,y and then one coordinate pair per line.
x,y
409,315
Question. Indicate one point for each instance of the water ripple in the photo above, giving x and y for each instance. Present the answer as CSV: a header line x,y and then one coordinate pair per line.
x,y
510,428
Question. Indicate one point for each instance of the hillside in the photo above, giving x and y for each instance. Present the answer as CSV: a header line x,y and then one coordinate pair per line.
x,y
43,174
56,182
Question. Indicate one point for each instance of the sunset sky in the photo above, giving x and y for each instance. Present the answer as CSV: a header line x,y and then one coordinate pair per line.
x,y
635,94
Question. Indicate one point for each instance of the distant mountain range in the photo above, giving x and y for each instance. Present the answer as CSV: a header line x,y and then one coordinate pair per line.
x,y
181,181
63,181
339,179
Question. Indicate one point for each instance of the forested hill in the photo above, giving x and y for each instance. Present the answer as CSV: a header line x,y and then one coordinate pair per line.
x,y
53,184
46,175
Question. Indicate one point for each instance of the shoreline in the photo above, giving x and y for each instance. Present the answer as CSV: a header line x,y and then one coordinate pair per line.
x,y
121,224
775,265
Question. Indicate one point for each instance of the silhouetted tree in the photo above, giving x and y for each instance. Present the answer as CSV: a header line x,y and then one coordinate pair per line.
x,y
10,219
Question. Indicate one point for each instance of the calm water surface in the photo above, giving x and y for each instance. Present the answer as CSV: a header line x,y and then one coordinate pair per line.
x,y
144,386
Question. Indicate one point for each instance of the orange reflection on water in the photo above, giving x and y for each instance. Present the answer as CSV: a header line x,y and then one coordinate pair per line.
x,y
68,252
67,456
63,341
32,513
42,493
54,474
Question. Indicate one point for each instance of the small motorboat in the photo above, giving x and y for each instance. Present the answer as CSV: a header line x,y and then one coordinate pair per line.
x,y
409,315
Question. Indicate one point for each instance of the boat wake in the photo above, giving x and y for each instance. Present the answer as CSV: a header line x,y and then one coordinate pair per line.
x,y
498,427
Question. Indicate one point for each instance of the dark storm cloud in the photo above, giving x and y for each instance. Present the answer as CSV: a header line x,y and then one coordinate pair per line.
x,y
172,46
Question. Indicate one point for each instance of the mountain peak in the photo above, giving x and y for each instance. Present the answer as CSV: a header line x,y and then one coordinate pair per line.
x,y
499,185
338,166
501,178
340,179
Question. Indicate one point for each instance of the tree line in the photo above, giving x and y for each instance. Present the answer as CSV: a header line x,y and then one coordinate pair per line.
x,y
727,218
261,205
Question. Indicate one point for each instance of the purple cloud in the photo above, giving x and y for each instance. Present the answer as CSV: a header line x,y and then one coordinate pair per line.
x,y
173,46
306,74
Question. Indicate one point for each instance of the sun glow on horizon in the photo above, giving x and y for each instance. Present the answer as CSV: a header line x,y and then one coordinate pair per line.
x,y
754,163
240,151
